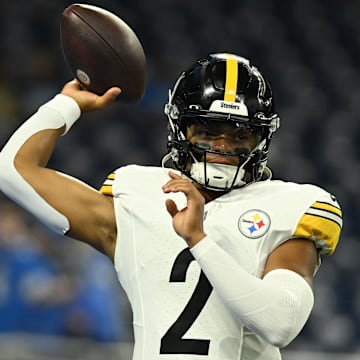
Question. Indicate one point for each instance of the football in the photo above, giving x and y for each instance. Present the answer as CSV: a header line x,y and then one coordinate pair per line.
x,y
102,51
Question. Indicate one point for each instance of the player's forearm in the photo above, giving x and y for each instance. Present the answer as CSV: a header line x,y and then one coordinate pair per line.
x,y
29,147
36,137
37,149
34,141
276,307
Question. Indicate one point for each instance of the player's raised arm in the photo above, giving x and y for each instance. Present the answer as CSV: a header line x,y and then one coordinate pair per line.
x,y
65,204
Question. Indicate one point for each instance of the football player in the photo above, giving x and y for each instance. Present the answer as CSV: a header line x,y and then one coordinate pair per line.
x,y
217,259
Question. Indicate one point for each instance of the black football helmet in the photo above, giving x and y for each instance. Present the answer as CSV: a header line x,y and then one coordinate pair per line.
x,y
227,88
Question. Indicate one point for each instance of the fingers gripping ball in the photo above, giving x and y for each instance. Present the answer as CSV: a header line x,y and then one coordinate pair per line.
x,y
102,51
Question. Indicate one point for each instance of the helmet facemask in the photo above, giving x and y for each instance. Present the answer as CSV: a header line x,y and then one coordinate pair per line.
x,y
197,100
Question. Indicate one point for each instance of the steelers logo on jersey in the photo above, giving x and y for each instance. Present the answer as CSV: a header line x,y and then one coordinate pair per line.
x,y
254,223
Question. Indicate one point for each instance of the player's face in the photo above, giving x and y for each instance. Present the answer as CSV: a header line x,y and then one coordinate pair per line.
x,y
225,137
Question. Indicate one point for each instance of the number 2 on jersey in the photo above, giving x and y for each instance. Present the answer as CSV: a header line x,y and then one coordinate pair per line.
x,y
172,342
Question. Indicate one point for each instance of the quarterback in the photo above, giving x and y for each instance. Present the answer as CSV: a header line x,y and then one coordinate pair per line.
x,y
216,258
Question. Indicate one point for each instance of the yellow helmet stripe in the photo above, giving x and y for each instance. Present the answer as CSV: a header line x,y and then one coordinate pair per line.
x,y
231,78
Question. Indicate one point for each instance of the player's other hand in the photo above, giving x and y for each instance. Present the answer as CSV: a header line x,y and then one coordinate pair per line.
x,y
187,222
87,100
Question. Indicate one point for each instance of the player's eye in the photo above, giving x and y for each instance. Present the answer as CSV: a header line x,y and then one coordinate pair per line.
x,y
243,131
236,131
246,131
202,130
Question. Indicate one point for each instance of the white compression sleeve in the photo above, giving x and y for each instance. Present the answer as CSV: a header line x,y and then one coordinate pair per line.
x,y
275,307
61,110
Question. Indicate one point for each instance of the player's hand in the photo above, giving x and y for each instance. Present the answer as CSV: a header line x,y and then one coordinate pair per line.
x,y
188,222
88,100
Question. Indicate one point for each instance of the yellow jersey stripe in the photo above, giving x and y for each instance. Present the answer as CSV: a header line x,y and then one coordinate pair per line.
x,y
106,187
327,207
323,231
106,190
326,215
231,78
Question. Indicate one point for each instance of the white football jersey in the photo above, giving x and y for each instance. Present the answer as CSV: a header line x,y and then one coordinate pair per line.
x,y
176,312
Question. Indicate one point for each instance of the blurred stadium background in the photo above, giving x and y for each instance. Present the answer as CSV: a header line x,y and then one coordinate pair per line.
x,y
59,299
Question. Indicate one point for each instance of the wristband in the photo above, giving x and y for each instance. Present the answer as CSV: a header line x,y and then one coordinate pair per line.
x,y
66,107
